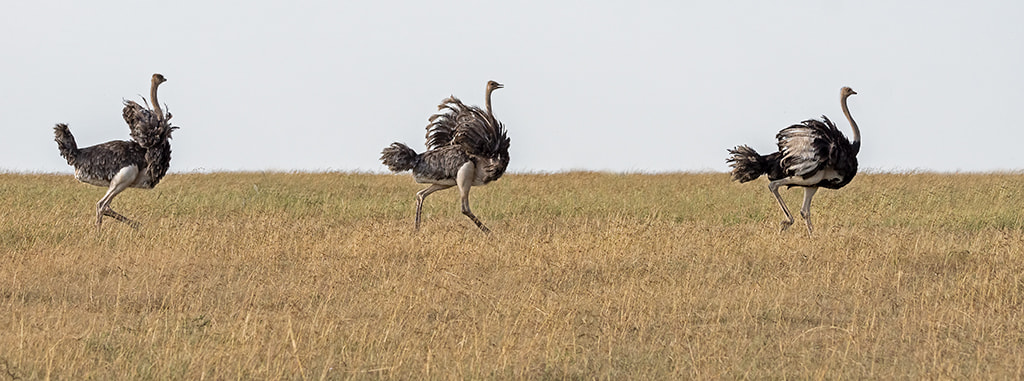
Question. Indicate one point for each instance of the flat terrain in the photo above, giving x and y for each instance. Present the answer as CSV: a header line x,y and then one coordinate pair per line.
x,y
586,276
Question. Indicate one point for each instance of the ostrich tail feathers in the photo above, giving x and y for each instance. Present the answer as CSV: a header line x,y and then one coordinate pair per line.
x,y
398,157
746,164
65,143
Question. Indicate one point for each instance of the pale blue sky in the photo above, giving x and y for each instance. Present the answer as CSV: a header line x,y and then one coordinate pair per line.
x,y
599,85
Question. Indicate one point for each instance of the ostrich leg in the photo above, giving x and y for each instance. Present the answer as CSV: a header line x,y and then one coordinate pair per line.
x,y
422,195
110,212
465,181
805,211
774,188
124,178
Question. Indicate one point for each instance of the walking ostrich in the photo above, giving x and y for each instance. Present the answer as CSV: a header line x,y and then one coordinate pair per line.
x,y
121,164
466,146
811,154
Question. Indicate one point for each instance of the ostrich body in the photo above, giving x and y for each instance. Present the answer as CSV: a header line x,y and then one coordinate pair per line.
x,y
813,154
466,147
121,164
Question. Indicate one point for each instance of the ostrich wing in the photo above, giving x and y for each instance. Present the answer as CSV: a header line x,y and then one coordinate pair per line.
x,y
445,124
152,134
812,145
473,130
482,136
146,129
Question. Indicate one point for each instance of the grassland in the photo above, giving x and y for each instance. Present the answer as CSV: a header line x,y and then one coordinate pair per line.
x,y
586,276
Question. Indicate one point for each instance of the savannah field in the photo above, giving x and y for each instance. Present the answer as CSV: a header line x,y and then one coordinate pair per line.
x,y
586,276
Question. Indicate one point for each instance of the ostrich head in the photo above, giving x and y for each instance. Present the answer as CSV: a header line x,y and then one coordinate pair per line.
x,y
846,92
491,86
158,79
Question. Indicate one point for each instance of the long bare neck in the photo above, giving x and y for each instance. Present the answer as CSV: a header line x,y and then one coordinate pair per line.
x,y
156,102
853,124
487,101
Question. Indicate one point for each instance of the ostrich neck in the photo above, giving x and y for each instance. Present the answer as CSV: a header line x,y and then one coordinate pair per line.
x,y
156,102
487,101
853,124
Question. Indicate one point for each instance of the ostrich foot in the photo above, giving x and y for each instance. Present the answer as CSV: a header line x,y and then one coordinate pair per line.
x,y
807,218
117,216
785,225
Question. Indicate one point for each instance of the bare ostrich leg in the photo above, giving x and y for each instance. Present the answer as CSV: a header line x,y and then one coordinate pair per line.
x,y
465,181
422,195
805,211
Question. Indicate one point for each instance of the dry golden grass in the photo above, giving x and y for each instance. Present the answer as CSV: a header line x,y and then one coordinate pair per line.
x,y
588,275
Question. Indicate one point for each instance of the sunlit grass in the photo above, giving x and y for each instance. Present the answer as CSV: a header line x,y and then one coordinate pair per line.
x,y
587,275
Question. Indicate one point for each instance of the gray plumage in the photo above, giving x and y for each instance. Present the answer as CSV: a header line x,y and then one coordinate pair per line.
x,y
138,163
466,146
812,154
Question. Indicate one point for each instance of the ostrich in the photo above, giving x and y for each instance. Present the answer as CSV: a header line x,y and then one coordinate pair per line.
x,y
121,164
466,146
811,154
